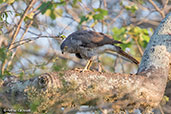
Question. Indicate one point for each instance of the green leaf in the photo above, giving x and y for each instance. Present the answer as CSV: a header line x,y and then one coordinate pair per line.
x,y
52,15
10,1
1,1
6,72
98,17
145,31
132,9
4,16
140,1
166,98
21,75
101,11
61,3
58,12
143,43
125,45
30,15
119,33
83,18
3,55
75,1
62,36
146,37
45,6
99,14
137,30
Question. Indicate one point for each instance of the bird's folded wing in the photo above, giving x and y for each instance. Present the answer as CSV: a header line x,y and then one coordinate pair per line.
x,y
91,39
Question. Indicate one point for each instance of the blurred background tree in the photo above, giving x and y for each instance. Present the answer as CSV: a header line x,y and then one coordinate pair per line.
x,y
31,32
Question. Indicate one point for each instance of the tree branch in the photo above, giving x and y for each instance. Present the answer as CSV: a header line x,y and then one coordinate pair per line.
x,y
157,8
16,32
71,89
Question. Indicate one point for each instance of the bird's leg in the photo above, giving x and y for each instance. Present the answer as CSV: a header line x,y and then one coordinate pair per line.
x,y
88,65
99,65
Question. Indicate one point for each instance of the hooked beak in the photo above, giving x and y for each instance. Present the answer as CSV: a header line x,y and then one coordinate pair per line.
x,y
64,49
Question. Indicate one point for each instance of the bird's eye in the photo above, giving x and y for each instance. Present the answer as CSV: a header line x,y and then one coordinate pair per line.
x,y
65,47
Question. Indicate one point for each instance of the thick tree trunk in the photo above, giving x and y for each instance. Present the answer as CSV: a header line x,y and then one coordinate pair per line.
x,y
71,89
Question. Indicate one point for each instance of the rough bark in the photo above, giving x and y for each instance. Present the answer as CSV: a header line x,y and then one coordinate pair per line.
x,y
71,89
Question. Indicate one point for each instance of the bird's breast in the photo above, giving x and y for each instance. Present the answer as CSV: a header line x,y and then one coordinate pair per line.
x,y
87,53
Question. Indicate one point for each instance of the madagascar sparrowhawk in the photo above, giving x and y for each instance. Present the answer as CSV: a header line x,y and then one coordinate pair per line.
x,y
88,44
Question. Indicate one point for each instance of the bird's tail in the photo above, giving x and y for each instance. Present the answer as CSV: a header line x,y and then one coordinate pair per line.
x,y
121,52
117,42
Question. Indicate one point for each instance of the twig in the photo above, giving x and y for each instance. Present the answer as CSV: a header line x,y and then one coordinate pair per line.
x,y
140,6
72,14
20,21
161,110
121,11
28,40
165,5
16,32
104,2
27,27
144,18
14,53
102,25
139,48
157,8
67,26
100,3
22,28
151,22
83,6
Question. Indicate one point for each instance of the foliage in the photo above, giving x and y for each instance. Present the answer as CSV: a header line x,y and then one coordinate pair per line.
x,y
50,8
96,15
35,40
3,57
132,9
3,54
7,1
133,33
4,16
99,14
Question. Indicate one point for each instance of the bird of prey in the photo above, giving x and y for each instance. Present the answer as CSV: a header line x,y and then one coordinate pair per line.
x,y
89,44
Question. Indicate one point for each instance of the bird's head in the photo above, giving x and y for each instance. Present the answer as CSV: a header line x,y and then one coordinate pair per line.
x,y
67,45
63,48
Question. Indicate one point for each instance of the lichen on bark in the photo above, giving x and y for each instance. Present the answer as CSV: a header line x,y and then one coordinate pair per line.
x,y
72,89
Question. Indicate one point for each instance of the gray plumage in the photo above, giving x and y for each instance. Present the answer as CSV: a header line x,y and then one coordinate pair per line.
x,y
87,44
